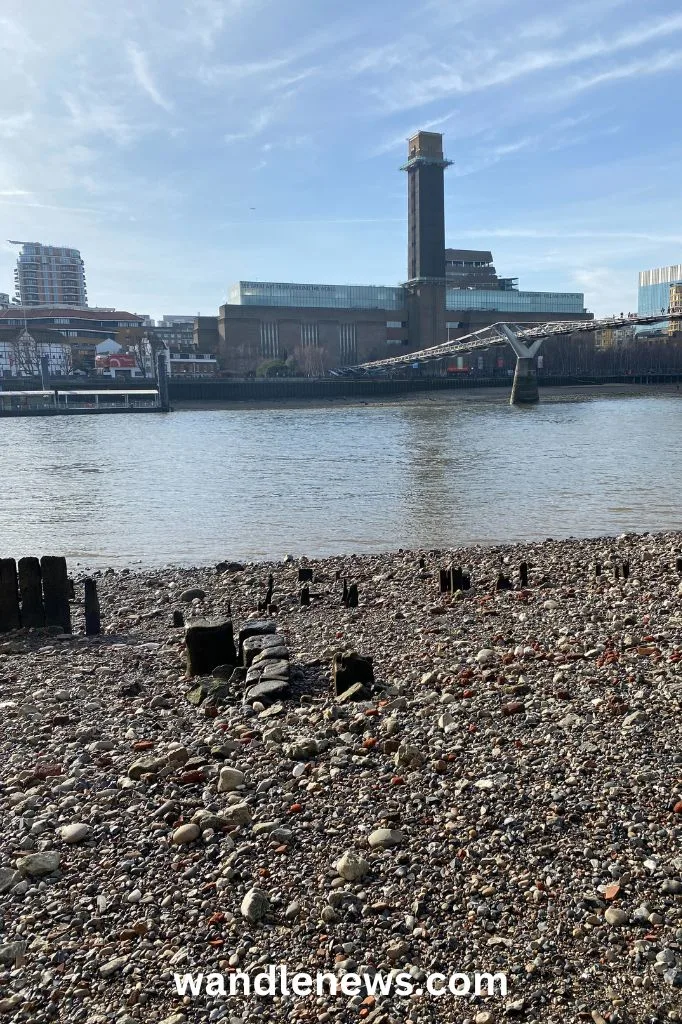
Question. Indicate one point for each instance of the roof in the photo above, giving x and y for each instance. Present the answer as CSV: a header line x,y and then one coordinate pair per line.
x,y
479,255
74,313
42,334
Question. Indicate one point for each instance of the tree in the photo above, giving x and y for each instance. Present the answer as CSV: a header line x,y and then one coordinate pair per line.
x,y
26,355
273,368
312,360
137,341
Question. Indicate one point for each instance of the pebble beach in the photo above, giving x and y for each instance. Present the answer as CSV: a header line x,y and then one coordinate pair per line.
x,y
507,797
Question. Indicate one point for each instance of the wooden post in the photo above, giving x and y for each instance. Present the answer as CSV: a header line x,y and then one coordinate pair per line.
x,y
422,562
56,592
523,574
9,596
597,568
305,574
678,563
626,570
353,595
344,596
209,642
305,597
93,623
444,581
31,590
616,571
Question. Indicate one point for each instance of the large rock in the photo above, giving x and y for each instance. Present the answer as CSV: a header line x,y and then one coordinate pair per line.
x,y
37,864
8,879
351,669
210,642
385,838
186,834
266,690
76,832
352,866
230,779
255,627
236,814
255,905
211,686
145,766
255,644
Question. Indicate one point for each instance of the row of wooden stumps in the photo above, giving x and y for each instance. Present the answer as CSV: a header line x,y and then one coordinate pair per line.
x,y
35,593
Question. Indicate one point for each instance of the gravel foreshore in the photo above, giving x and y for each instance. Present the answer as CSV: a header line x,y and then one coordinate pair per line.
x,y
507,800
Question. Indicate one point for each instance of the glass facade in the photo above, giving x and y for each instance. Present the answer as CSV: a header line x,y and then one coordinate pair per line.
x,y
654,294
515,302
329,296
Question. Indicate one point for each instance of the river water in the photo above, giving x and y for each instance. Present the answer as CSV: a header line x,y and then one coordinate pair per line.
x,y
199,486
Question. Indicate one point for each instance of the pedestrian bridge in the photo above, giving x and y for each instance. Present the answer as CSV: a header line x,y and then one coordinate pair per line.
x,y
525,339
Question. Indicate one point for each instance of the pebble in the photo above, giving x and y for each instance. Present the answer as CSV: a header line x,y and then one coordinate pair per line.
x,y
352,866
385,838
230,779
186,834
75,832
255,905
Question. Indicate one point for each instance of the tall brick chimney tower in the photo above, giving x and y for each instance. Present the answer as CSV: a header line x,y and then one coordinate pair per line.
x,y
426,239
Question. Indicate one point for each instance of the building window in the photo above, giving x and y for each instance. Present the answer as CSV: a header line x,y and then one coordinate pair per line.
x,y
395,323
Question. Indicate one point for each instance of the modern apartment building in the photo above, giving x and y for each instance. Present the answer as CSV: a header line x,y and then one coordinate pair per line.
x,y
49,275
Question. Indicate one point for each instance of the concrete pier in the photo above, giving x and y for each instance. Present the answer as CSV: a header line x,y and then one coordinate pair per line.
x,y
525,386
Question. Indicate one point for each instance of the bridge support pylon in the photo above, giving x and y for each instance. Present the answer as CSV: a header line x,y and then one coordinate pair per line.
x,y
525,386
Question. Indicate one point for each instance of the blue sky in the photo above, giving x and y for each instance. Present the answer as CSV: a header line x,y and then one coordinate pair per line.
x,y
185,144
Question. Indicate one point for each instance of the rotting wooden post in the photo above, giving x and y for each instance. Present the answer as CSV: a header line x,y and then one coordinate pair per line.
x,y
353,595
305,574
616,571
56,592
523,574
93,624
678,563
444,581
597,568
209,642
9,596
503,582
305,597
31,591
344,596
626,570
422,562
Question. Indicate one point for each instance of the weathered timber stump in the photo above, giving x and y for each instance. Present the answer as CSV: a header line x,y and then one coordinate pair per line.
x,y
93,623
210,642
9,596
56,592
353,595
31,588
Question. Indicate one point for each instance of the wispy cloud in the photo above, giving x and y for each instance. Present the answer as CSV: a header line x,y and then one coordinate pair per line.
x,y
13,125
662,61
93,116
144,78
256,126
489,68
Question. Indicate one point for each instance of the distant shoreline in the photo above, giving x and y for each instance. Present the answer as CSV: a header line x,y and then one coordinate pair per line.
x,y
498,395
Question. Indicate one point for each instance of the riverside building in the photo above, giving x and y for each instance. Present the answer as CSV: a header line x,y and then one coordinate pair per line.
x,y
448,293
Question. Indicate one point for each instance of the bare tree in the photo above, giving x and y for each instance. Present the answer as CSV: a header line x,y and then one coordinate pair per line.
x,y
26,353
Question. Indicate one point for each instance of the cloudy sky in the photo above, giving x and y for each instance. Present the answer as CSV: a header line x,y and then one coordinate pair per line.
x,y
184,144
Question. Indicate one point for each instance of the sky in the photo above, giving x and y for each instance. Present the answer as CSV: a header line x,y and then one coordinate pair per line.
x,y
183,145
